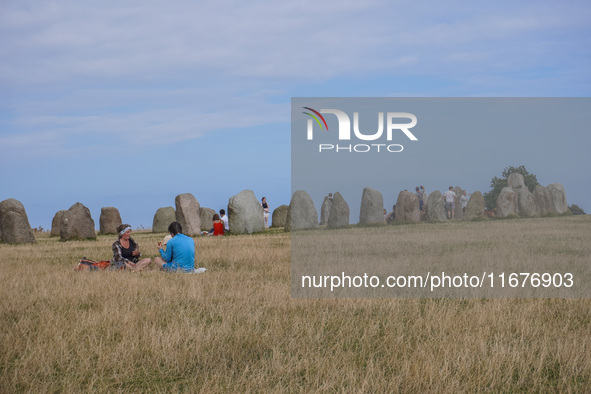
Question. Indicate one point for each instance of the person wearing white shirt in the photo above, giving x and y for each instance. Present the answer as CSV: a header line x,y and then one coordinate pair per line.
x,y
464,200
225,220
450,199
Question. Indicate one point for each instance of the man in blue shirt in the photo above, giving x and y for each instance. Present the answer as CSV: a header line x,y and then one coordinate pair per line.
x,y
180,251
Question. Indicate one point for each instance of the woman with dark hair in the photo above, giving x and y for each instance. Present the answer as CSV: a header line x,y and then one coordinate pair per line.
x,y
126,252
218,225
265,211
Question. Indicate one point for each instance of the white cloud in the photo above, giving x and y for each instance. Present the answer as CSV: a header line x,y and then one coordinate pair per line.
x,y
143,68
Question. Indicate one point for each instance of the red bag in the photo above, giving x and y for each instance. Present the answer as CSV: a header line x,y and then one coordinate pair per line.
x,y
89,265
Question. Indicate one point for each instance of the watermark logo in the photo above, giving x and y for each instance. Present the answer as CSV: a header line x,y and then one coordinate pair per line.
x,y
391,125
315,118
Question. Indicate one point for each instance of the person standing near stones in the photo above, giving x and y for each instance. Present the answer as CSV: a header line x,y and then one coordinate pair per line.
x,y
265,211
392,215
180,251
420,196
450,198
224,219
464,200
424,193
126,252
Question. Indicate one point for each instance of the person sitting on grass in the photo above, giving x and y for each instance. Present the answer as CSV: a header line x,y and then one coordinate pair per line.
x,y
126,252
180,251
224,219
218,225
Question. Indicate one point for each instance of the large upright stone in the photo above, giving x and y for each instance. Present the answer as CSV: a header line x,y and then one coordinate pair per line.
x,y
526,203
558,197
109,221
407,207
436,207
475,208
279,216
339,212
302,212
506,202
206,215
14,223
162,219
187,214
245,214
55,223
372,207
325,210
543,200
515,181
77,223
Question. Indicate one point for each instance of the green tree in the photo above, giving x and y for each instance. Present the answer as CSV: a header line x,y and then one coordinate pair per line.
x,y
576,210
497,184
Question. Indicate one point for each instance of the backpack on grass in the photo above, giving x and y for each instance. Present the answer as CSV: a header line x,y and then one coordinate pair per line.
x,y
89,265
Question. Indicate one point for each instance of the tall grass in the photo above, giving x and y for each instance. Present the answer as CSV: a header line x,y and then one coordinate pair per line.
x,y
236,328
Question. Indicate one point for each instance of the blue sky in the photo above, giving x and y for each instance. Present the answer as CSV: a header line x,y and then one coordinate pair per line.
x,y
129,104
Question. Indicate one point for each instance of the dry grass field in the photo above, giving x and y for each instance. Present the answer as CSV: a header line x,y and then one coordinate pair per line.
x,y
236,328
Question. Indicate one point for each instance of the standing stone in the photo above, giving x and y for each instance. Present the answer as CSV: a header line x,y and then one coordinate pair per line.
x,y
436,207
558,197
109,221
206,215
187,214
339,212
475,208
372,207
302,213
407,207
543,200
526,203
162,219
325,210
279,216
77,223
55,223
14,223
245,213
506,202
515,181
